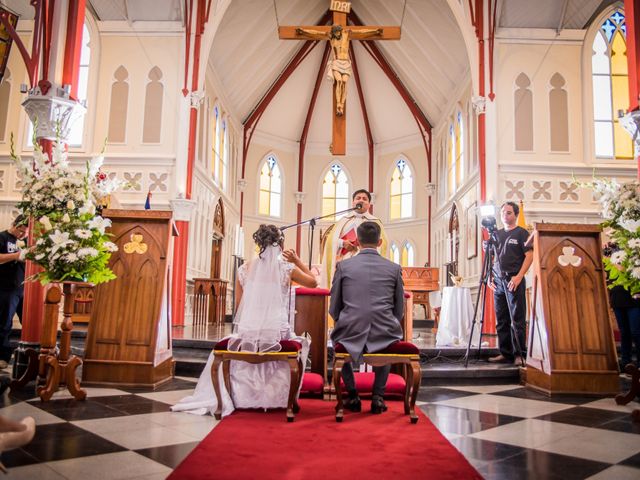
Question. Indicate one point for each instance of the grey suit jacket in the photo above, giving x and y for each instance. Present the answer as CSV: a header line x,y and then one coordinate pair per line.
x,y
367,303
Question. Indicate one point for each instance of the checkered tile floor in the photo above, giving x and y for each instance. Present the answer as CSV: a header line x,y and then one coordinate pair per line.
x,y
505,431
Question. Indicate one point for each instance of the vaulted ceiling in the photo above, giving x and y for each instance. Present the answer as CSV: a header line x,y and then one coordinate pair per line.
x,y
430,59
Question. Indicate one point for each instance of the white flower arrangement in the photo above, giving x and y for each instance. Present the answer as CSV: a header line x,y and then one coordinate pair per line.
x,y
71,240
621,213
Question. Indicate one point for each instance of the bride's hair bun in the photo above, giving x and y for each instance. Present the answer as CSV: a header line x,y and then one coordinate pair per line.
x,y
267,235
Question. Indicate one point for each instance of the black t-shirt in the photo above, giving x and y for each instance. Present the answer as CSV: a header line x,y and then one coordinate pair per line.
x,y
11,273
510,251
619,297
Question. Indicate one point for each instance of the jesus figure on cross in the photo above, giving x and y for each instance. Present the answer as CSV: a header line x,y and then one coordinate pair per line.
x,y
339,68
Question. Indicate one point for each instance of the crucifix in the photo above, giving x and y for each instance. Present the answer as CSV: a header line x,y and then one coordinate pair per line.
x,y
339,67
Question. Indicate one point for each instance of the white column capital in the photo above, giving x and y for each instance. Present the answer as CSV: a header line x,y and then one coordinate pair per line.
x,y
430,188
479,103
182,209
300,197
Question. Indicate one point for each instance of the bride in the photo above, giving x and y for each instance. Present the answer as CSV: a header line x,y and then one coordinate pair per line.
x,y
261,321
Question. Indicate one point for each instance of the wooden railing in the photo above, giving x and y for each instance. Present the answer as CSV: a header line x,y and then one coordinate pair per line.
x,y
209,301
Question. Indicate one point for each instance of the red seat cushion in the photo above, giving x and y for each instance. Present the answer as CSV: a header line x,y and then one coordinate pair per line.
x,y
221,345
287,345
312,384
400,348
397,348
314,292
290,346
364,384
338,348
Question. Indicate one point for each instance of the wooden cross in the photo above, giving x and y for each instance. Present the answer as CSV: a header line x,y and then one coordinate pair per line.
x,y
339,68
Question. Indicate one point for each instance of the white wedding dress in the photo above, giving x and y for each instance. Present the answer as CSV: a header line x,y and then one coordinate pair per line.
x,y
262,320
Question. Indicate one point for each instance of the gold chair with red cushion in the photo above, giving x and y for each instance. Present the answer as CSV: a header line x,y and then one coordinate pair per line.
x,y
290,353
398,353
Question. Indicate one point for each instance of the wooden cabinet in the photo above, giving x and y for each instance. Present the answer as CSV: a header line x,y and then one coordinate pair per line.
x,y
570,344
420,281
129,337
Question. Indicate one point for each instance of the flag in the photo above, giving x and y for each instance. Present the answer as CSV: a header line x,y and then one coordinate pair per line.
x,y
521,220
147,203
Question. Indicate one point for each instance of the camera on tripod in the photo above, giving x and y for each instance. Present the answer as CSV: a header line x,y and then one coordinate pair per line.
x,y
490,223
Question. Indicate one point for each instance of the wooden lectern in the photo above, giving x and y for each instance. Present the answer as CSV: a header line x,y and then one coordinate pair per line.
x,y
570,345
129,337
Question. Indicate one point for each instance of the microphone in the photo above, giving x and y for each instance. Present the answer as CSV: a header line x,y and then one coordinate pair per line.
x,y
358,206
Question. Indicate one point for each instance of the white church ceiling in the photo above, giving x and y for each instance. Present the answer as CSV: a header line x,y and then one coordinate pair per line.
x,y
556,14
430,59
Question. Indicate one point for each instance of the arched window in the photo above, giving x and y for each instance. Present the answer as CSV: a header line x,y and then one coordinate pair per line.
x,y
270,194
335,191
76,125
407,256
220,171
459,149
451,160
215,141
5,95
76,132
610,88
395,254
225,157
401,191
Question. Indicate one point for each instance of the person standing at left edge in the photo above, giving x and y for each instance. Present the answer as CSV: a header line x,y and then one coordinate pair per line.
x,y
11,282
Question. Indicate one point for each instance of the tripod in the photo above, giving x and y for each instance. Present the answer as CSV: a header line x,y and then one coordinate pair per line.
x,y
485,281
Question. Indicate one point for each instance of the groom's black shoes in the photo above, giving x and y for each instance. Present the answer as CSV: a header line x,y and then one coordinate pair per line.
x,y
378,405
353,403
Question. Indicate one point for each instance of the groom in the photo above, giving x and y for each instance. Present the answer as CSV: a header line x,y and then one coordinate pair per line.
x,y
367,304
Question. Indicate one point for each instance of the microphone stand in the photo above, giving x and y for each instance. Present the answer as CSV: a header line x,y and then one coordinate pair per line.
x,y
312,225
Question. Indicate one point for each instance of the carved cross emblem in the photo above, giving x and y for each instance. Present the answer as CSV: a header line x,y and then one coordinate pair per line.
x,y
542,190
569,257
136,245
568,191
515,189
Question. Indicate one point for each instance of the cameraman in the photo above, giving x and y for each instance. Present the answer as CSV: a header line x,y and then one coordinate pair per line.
x,y
512,260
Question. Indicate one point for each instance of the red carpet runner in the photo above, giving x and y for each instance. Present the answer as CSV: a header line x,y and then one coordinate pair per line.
x,y
259,445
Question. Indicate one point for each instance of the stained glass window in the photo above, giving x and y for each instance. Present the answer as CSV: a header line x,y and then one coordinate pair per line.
x,y
77,128
225,157
401,191
451,160
270,193
459,149
406,259
610,88
215,141
395,254
335,191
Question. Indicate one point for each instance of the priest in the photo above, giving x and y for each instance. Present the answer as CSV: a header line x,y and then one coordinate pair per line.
x,y
340,240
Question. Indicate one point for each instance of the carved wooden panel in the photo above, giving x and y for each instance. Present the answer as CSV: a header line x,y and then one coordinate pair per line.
x,y
571,342
130,312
